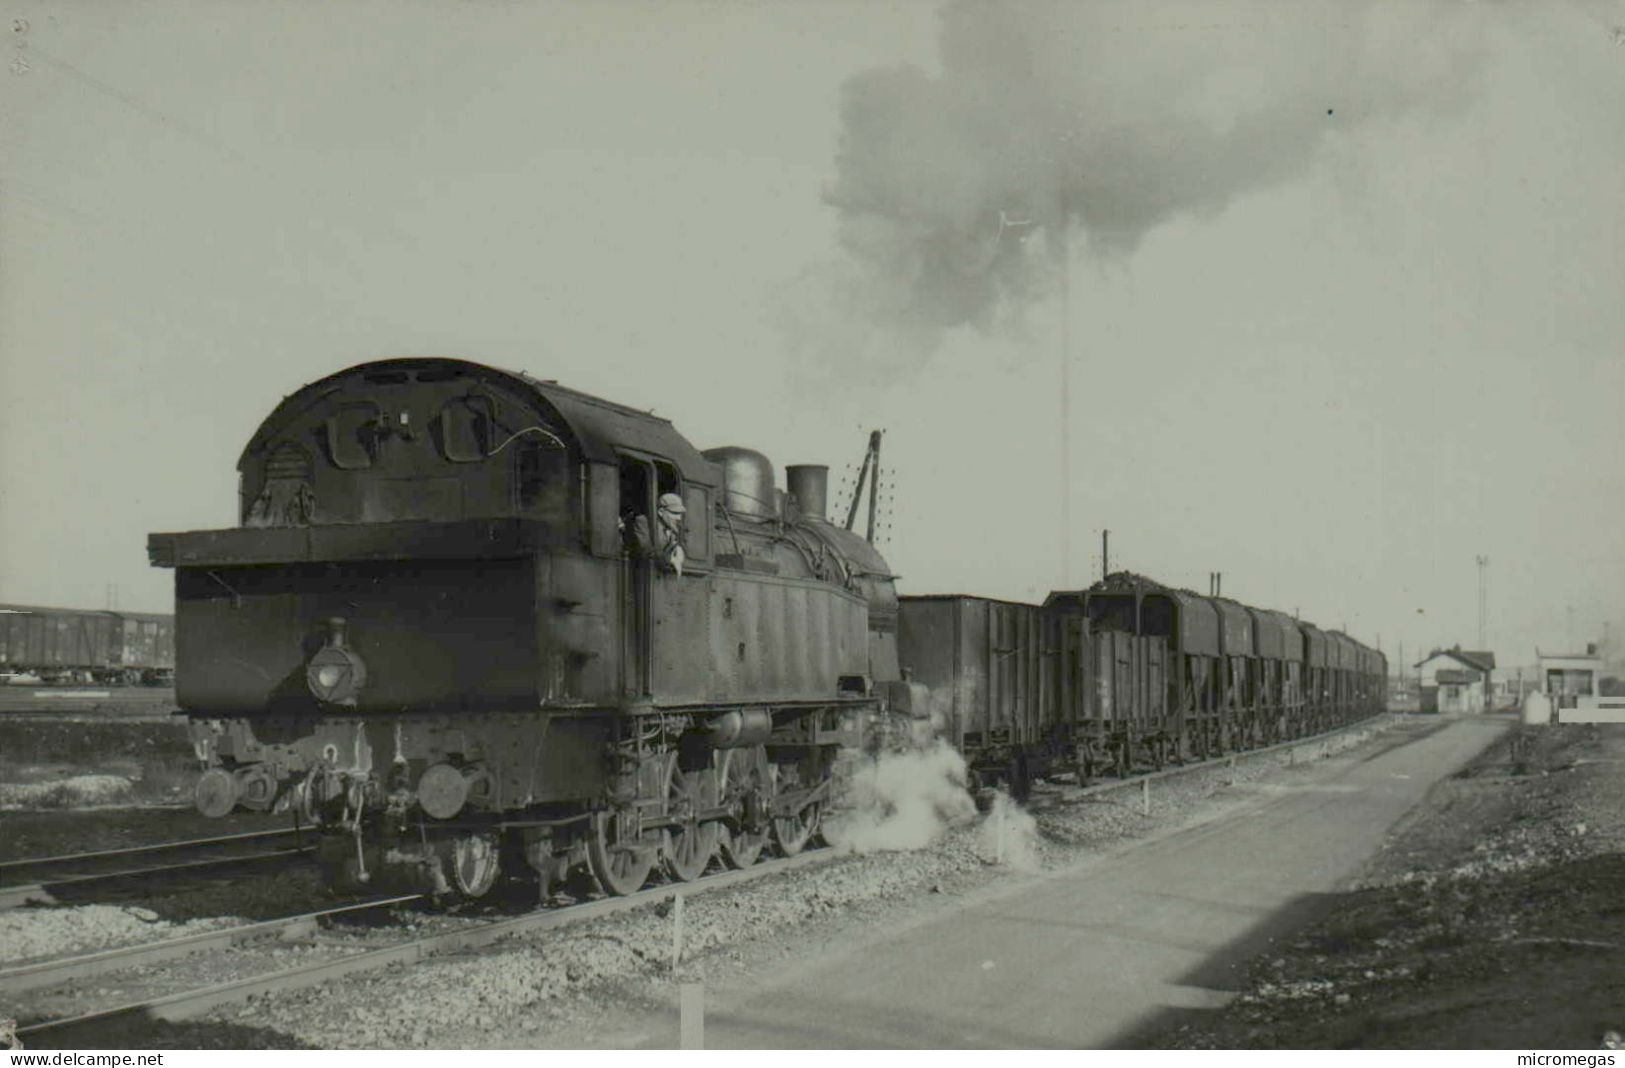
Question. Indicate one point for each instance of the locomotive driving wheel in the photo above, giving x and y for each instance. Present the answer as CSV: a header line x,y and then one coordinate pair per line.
x,y
618,858
742,775
692,841
792,833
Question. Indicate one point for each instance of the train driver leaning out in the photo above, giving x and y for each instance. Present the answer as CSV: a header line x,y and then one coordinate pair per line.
x,y
669,515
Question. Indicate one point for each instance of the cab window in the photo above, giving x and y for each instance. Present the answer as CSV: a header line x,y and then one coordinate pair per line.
x,y
543,480
464,429
352,436
697,499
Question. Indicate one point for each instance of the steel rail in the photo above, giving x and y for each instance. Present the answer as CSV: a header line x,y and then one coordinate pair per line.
x,y
190,1003
62,969
46,891
23,863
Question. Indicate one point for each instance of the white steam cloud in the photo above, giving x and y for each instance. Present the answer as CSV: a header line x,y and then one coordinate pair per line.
x,y
1008,835
901,801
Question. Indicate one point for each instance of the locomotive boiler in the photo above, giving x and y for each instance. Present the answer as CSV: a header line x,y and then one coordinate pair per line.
x,y
434,636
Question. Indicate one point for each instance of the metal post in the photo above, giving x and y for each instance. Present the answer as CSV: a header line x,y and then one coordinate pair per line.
x,y
871,458
874,484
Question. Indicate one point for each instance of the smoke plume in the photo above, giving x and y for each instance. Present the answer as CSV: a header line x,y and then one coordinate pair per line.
x,y
1066,121
900,801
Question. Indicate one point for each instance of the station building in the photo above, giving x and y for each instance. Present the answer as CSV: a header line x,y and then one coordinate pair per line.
x,y
1455,680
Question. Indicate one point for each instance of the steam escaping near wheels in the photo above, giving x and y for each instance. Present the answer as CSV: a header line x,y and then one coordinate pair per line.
x,y
902,800
1008,835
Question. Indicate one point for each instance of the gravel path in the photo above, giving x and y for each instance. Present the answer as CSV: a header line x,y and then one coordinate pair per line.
x,y
1490,919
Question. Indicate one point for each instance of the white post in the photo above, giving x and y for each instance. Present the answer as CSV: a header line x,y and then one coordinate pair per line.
x,y
691,1015
998,830
1145,797
677,932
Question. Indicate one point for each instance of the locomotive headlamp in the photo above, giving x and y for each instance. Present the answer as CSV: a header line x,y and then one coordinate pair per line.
x,y
336,674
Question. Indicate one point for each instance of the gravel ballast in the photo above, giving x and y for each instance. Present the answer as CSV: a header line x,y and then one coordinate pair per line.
x,y
568,987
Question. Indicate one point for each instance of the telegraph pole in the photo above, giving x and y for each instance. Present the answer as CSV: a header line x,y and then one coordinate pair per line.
x,y
1483,597
1066,408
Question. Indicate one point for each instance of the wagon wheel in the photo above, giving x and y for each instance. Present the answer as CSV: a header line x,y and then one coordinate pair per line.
x,y
742,781
473,864
620,862
791,833
691,842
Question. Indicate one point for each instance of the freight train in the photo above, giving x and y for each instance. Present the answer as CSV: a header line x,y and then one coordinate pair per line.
x,y
452,631
1125,676
71,645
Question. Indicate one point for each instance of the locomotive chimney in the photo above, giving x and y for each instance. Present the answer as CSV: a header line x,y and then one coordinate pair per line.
x,y
809,485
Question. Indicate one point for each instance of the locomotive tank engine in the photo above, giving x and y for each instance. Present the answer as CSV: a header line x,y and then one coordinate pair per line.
x,y
441,634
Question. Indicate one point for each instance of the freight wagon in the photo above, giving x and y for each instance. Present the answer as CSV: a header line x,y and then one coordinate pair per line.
x,y
1126,675
72,645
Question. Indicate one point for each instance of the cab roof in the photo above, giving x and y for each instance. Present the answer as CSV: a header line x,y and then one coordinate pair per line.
x,y
598,428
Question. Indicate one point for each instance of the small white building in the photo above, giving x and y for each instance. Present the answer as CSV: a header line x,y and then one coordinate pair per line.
x,y
1572,682
1455,680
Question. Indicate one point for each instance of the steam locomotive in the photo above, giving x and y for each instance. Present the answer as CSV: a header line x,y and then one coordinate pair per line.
x,y
434,636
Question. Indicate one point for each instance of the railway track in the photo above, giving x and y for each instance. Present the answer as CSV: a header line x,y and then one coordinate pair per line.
x,y
189,1003
77,877
1291,747
84,1027
56,971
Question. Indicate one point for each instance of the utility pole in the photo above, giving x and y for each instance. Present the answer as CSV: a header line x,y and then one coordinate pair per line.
x,y
1105,555
1483,597
1066,407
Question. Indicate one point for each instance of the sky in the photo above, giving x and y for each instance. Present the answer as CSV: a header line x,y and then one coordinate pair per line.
x,y
1337,286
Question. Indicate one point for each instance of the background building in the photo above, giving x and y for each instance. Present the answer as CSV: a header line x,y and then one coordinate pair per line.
x,y
1456,680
